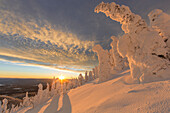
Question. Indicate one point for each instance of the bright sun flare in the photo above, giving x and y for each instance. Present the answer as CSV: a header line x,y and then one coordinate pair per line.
x,y
61,77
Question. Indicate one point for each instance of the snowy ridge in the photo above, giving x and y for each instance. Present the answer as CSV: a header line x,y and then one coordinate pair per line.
x,y
49,100
118,95
121,95
143,88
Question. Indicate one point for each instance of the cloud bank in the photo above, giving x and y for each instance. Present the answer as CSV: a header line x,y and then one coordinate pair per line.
x,y
58,33
37,42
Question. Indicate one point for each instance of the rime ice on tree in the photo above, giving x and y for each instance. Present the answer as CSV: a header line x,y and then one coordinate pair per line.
x,y
86,77
4,106
80,80
90,76
96,72
0,107
160,21
104,62
117,62
144,48
26,100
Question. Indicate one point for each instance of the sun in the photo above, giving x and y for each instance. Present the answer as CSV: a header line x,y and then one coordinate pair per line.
x,y
61,77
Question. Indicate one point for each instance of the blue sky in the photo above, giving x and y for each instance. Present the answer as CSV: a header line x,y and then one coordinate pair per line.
x,y
21,70
58,34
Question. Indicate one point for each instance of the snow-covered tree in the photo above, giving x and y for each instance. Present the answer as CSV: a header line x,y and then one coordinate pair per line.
x,y
96,72
80,79
47,89
117,62
104,63
53,87
160,21
12,109
0,107
38,99
75,83
58,87
26,100
40,89
4,106
144,48
64,88
46,92
90,76
69,85
16,108
86,77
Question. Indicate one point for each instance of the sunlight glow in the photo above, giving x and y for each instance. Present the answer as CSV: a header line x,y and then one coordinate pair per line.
x,y
61,77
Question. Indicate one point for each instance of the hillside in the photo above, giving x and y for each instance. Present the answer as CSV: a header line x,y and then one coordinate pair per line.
x,y
115,95
143,52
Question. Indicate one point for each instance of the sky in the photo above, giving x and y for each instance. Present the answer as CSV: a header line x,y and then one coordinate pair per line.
x,y
46,38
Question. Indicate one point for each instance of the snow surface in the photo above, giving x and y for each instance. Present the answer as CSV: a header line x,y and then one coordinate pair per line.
x,y
118,95
146,49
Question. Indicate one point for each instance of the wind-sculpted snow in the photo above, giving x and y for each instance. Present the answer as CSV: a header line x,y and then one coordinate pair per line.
x,y
144,48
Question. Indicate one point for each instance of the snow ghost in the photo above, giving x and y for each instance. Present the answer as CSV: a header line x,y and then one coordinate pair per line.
x,y
117,62
90,76
96,72
104,63
86,77
144,48
160,21
80,79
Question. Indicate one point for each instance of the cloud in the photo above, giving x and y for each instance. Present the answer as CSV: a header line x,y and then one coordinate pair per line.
x,y
60,33
26,62
37,42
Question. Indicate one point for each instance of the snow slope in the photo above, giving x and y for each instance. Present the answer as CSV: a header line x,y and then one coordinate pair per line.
x,y
114,96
